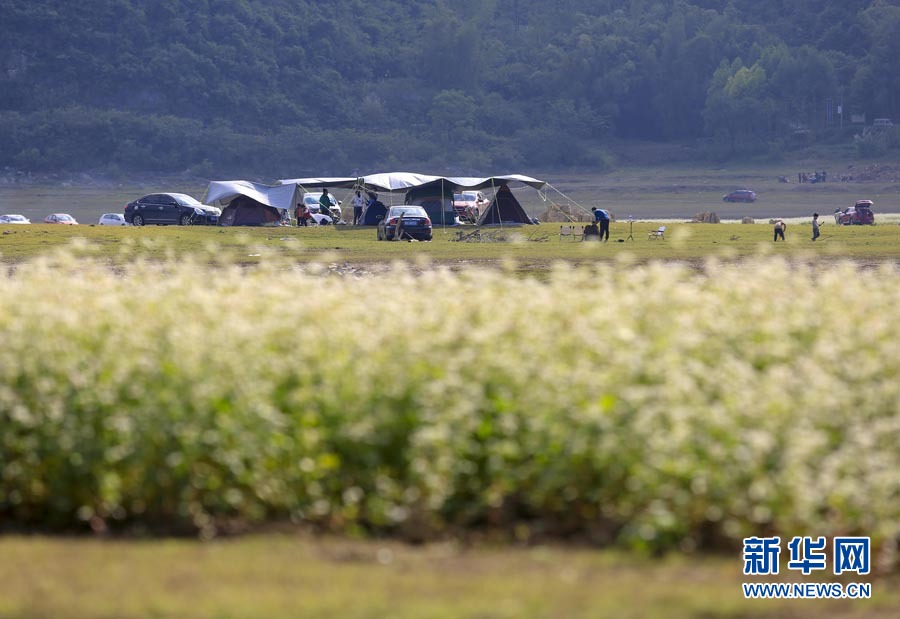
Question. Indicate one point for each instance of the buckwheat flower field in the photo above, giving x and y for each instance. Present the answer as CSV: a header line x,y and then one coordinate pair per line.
x,y
654,406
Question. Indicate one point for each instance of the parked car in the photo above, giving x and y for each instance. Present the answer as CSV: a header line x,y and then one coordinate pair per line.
x,y
170,208
860,214
14,219
113,219
311,200
469,204
60,218
740,195
402,222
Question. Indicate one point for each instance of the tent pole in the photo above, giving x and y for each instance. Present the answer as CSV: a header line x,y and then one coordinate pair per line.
x,y
494,189
584,210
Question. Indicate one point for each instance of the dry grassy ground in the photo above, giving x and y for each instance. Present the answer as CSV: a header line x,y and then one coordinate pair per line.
x,y
293,576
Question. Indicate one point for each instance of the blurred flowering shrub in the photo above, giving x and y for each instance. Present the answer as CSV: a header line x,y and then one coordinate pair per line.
x,y
652,405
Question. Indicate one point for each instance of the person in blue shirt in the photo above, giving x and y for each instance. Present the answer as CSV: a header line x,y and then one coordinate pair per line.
x,y
601,216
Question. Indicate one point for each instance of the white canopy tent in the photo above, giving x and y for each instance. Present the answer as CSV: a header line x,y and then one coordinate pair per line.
x,y
404,181
282,197
433,192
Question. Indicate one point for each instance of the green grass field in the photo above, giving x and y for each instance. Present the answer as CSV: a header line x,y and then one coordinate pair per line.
x,y
285,576
529,246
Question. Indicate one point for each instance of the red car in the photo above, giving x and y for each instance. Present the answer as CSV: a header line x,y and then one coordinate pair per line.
x,y
60,218
859,214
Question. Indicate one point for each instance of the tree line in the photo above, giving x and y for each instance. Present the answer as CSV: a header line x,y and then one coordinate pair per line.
x,y
288,87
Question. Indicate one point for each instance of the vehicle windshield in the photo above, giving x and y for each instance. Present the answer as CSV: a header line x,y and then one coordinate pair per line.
x,y
64,217
312,199
15,218
407,211
185,200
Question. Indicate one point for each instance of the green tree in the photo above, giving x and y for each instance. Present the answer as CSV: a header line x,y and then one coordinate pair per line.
x,y
452,111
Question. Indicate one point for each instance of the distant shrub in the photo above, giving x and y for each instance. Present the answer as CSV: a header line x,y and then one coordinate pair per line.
x,y
748,220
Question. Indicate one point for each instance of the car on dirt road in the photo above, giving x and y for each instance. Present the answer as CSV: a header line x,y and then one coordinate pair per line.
x,y
14,219
740,195
113,219
170,208
60,218
860,214
404,223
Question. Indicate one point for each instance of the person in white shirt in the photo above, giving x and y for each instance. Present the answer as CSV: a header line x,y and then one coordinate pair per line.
x,y
357,203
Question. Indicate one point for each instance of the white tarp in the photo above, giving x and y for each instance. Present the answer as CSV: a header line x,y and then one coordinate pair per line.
x,y
345,182
283,197
404,181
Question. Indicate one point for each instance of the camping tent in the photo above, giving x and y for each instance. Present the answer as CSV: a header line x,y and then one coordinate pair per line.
x,y
436,197
504,209
373,213
244,211
434,193
250,204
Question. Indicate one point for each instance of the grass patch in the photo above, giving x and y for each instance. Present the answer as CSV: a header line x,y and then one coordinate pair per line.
x,y
277,576
528,246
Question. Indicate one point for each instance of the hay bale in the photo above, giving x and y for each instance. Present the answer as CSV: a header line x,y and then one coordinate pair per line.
x,y
705,217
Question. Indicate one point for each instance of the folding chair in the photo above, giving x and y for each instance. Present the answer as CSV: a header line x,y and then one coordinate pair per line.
x,y
576,232
659,233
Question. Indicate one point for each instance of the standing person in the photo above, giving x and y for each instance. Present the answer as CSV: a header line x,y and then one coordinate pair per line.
x,y
815,224
601,216
357,203
325,203
779,230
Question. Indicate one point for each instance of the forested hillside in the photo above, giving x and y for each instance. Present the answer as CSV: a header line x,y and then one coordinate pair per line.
x,y
290,87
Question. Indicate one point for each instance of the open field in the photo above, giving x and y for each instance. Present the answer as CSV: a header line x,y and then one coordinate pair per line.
x,y
285,576
629,403
531,247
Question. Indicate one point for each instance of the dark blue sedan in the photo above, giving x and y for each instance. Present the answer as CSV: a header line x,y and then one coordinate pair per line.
x,y
405,223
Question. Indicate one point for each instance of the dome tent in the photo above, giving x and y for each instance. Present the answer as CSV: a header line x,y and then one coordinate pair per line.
x,y
250,204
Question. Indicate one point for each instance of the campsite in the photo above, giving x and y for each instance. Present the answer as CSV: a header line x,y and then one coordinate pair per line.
x,y
340,332
408,515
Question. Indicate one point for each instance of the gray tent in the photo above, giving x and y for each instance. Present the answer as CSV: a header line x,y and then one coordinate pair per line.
x,y
504,209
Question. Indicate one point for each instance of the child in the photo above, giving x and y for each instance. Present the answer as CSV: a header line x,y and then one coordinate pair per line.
x,y
302,215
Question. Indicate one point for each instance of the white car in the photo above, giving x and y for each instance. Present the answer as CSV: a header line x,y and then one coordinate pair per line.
x,y
13,219
311,200
113,219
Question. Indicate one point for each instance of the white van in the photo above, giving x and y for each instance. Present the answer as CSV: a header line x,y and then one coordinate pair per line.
x,y
311,200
